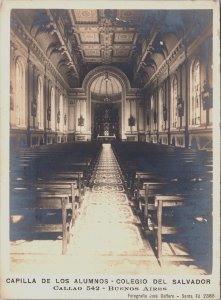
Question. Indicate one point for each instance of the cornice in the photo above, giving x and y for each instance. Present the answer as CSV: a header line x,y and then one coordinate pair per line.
x,y
30,42
66,43
166,64
146,51
177,56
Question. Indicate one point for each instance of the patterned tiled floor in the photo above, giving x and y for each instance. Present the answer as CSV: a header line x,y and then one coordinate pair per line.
x,y
107,222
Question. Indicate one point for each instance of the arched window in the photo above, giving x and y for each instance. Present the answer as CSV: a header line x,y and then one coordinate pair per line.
x,y
195,93
160,114
61,110
174,92
40,106
52,109
20,107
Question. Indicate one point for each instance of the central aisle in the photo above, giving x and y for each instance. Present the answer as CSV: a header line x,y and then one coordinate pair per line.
x,y
107,227
105,239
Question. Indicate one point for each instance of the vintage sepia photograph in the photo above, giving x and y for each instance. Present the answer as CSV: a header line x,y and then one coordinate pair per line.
x,y
110,168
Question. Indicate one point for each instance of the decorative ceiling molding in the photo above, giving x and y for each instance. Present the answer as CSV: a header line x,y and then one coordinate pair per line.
x,y
31,43
128,14
127,37
65,46
121,52
92,52
89,37
85,15
107,30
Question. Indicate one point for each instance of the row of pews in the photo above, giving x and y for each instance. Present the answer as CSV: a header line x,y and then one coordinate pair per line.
x,y
171,191
47,187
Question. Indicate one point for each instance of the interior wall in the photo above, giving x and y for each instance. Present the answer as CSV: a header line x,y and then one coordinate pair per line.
x,y
31,133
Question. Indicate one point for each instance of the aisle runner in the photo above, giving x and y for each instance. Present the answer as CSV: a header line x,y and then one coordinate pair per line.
x,y
107,225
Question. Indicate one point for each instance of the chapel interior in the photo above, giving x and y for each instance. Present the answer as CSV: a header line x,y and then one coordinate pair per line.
x,y
111,119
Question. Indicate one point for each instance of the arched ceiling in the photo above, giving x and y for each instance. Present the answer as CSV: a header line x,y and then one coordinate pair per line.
x,y
136,41
106,88
106,85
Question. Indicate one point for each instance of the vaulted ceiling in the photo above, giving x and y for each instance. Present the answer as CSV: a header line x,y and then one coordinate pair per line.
x,y
136,41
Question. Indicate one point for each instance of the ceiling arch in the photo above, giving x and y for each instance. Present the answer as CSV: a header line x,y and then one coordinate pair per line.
x,y
113,72
106,88
106,84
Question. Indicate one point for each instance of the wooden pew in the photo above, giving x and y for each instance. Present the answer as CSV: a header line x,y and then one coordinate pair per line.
x,y
159,228
176,172
140,177
44,203
77,177
62,187
152,212
143,196
52,170
56,185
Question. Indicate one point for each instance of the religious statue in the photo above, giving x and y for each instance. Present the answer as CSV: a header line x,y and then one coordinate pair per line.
x,y
206,96
155,117
148,118
58,116
81,121
164,113
34,107
11,97
49,113
106,115
131,121
180,106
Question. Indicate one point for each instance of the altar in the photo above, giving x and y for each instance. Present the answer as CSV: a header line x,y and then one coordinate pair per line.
x,y
106,138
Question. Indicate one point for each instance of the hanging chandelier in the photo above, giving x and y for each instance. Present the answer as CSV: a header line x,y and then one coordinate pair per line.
x,y
106,78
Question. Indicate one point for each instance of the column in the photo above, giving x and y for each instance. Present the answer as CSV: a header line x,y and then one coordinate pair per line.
x,y
157,109
187,99
28,92
169,103
34,97
46,87
181,96
56,107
